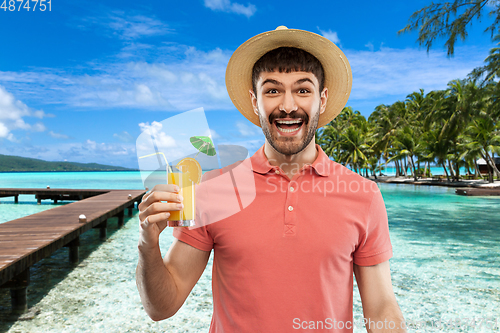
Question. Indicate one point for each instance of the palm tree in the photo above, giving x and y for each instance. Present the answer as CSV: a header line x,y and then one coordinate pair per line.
x,y
436,148
329,137
484,136
451,111
465,101
353,147
471,151
406,146
345,139
451,20
418,105
373,163
383,129
386,119
422,128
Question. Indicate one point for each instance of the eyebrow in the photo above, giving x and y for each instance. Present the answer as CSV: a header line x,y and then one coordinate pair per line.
x,y
272,81
281,84
304,80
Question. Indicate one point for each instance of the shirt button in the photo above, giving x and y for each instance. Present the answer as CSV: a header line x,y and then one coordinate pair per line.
x,y
277,172
291,189
290,208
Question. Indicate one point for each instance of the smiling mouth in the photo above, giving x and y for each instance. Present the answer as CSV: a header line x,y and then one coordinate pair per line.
x,y
288,126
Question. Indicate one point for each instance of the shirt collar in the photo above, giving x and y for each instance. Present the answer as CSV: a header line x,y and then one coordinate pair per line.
x,y
260,164
322,164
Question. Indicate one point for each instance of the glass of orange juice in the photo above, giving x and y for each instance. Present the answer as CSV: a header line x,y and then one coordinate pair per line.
x,y
180,176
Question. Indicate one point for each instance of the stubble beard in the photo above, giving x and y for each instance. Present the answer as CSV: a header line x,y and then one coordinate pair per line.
x,y
285,145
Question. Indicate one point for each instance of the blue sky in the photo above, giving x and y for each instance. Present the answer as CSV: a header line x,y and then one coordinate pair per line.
x,y
81,81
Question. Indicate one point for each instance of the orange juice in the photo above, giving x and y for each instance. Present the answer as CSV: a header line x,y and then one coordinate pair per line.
x,y
184,217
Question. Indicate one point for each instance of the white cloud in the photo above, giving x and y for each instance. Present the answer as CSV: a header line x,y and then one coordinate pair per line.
x,y
144,96
231,7
132,49
137,26
186,78
247,129
12,114
4,131
124,136
38,127
212,133
391,74
154,128
10,108
370,46
89,144
58,135
104,148
126,26
331,35
40,114
162,140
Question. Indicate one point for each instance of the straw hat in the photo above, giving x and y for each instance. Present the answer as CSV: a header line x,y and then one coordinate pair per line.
x,y
338,76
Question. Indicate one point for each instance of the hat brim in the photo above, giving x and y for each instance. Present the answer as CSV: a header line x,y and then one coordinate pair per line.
x,y
337,71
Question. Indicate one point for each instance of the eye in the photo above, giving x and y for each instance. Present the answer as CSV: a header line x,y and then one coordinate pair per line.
x,y
303,91
272,91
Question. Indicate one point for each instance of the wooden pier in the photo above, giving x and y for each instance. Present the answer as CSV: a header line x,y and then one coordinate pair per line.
x,y
52,194
27,240
478,191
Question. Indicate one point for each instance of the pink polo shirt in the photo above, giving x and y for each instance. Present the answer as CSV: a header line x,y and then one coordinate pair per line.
x,y
285,261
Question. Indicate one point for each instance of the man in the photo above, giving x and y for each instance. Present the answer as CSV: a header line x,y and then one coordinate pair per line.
x,y
286,261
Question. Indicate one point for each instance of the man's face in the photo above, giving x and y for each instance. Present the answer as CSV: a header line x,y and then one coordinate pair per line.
x,y
288,106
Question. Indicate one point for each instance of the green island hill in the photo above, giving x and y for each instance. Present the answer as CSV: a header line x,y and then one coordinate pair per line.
x,y
10,163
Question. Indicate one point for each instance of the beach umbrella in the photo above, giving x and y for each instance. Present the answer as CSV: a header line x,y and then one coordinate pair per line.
x,y
204,145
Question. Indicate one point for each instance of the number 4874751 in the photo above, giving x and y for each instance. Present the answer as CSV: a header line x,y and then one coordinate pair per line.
x,y
26,5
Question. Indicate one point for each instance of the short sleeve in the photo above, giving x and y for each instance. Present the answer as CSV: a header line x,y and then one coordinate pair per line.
x,y
199,238
374,246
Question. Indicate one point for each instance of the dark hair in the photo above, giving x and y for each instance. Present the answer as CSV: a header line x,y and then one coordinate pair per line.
x,y
288,59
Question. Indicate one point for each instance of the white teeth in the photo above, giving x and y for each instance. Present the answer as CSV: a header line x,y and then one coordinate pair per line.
x,y
288,130
289,121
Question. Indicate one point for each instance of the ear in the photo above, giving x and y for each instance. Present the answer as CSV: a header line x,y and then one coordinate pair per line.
x,y
253,98
323,98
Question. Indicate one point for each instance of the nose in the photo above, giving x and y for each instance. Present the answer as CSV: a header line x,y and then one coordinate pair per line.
x,y
288,103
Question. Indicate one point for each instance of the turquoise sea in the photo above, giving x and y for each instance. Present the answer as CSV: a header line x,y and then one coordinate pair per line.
x,y
435,171
445,269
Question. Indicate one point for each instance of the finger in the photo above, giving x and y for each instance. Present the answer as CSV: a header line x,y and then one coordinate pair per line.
x,y
161,188
160,207
165,188
158,197
155,218
147,194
